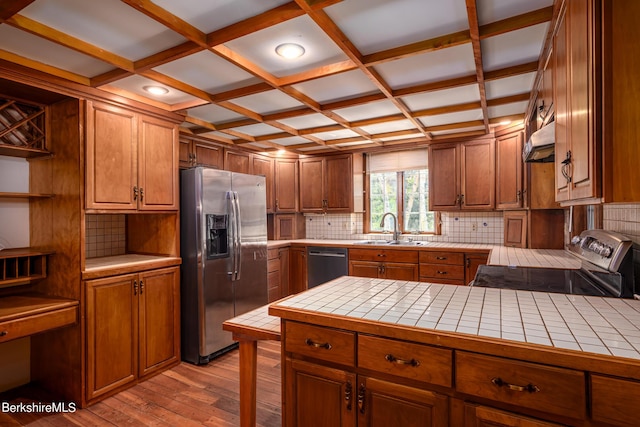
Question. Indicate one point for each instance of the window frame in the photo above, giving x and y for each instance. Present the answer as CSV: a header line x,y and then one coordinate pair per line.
x,y
400,192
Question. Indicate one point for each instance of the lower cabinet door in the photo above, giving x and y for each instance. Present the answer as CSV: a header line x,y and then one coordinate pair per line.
x,y
382,404
159,320
112,331
365,269
319,396
400,271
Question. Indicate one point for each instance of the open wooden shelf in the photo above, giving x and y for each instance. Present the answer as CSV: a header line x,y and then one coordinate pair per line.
x,y
22,266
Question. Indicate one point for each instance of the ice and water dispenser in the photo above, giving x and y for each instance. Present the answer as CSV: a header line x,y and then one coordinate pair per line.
x,y
217,246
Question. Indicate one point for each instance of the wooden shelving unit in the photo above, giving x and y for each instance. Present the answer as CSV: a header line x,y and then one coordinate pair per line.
x,y
22,266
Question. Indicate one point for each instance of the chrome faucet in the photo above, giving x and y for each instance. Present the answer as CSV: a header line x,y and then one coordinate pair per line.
x,y
395,225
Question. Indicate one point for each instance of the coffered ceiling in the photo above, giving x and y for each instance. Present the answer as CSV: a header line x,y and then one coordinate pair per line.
x,y
374,72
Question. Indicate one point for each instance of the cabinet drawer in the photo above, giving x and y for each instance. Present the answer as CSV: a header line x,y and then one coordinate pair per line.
x,y
430,257
442,271
30,325
614,400
327,344
408,360
529,385
383,255
273,279
273,265
272,253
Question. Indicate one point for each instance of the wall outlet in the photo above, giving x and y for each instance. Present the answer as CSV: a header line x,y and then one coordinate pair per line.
x,y
474,226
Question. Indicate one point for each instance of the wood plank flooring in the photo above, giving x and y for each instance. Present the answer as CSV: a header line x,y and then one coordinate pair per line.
x,y
186,395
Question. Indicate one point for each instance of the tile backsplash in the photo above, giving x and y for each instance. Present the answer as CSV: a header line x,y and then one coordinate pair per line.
x,y
461,227
624,219
105,235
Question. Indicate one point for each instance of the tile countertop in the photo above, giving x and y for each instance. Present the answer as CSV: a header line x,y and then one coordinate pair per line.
x,y
602,326
499,255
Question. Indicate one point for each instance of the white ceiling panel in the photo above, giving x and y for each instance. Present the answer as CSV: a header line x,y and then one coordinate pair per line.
x,y
375,25
208,72
447,119
371,110
496,10
337,87
308,121
443,98
135,84
509,86
108,24
209,16
312,148
293,140
396,138
356,143
258,129
272,101
46,52
259,47
433,66
507,109
513,48
388,127
214,114
335,134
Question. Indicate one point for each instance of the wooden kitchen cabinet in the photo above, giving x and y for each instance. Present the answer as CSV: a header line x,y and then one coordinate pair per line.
x,y
298,269
264,166
286,185
383,264
326,184
515,229
442,267
613,400
462,176
199,152
509,166
278,273
484,416
131,160
471,264
132,328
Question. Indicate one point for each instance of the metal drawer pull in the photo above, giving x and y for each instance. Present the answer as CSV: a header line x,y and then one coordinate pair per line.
x,y
441,257
311,343
441,272
392,359
347,394
361,395
3,333
530,388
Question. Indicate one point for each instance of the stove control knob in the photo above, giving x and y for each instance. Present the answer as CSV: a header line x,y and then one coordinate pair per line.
x,y
606,251
576,240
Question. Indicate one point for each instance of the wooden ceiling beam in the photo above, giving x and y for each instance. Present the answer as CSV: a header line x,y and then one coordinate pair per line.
x,y
320,72
472,15
10,8
528,19
448,109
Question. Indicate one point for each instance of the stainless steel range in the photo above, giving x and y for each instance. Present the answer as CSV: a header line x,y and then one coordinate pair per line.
x,y
607,269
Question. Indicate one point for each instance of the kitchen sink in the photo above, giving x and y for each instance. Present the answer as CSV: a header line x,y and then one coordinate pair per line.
x,y
390,243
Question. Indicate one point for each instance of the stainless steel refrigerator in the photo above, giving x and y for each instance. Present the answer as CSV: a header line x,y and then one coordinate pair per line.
x,y
223,242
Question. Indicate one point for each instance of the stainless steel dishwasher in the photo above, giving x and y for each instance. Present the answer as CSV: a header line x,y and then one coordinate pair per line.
x,y
324,264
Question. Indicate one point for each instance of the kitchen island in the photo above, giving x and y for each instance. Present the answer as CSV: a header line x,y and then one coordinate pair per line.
x,y
384,351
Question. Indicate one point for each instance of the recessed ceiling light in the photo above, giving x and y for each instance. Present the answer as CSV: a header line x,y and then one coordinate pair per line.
x,y
290,50
156,90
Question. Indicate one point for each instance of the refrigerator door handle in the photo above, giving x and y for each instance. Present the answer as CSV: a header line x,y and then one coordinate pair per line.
x,y
231,207
238,235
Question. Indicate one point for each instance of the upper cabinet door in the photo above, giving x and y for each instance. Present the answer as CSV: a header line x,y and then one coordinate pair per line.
x,y
339,183
444,182
509,193
111,157
157,164
312,184
286,185
477,180
262,165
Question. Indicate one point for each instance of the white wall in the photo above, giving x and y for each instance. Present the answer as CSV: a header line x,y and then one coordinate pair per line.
x,y
14,233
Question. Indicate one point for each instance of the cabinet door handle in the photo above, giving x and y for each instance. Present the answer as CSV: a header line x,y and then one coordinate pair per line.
x,y
141,287
135,287
461,200
141,193
392,359
348,390
314,344
518,195
566,167
468,262
529,388
135,193
4,333
277,203
361,396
